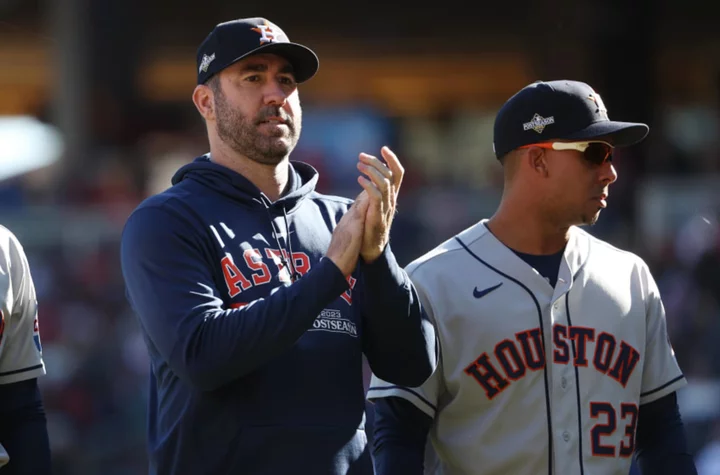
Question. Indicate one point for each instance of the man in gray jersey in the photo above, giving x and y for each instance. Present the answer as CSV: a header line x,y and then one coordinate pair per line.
x,y
24,442
555,357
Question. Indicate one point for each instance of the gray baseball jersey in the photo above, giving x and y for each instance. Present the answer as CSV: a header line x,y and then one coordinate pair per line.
x,y
20,350
534,379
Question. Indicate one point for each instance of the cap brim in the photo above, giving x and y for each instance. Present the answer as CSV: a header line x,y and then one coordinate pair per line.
x,y
618,134
304,61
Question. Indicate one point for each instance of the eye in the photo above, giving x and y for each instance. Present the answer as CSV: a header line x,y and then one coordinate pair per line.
x,y
287,81
253,78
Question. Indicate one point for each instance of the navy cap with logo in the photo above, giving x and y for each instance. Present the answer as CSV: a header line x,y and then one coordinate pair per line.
x,y
559,110
232,41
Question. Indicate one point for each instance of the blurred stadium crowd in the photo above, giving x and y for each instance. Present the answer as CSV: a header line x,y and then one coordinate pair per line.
x,y
97,365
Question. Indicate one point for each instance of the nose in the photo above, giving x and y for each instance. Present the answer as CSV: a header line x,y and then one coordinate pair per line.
x,y
274,94
608,174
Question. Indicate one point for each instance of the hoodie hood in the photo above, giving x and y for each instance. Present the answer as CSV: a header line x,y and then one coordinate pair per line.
x,y
302,179
301,183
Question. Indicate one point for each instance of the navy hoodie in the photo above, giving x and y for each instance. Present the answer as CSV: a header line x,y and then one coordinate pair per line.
x,y
255,338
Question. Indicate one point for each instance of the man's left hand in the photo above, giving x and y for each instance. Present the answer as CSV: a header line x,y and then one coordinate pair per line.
x,y
382,184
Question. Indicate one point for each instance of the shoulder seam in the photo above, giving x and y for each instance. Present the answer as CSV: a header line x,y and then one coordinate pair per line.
x,y
446,252
164,207
600,242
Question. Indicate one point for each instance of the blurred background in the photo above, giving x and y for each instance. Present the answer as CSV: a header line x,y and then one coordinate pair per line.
x,y
95,115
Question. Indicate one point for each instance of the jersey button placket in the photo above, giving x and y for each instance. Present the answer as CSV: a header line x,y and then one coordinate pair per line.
x,y
564,401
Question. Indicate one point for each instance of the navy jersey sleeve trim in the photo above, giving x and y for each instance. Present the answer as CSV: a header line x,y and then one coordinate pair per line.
x,y
400,437
653,391
662,447
23,370
402,388
23,431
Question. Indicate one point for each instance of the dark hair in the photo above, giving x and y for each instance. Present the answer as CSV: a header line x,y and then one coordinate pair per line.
x,y
214,84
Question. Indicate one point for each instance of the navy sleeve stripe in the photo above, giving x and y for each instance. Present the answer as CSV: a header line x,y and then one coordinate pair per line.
x,y
414,393
663,386
8,373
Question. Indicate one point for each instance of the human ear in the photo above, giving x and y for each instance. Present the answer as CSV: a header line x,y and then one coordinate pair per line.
x,y
537,159
204,101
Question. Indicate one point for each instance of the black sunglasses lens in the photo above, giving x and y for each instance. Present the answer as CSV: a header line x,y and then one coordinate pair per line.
x,y
597,153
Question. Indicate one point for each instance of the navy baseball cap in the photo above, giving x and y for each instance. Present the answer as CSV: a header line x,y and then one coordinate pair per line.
x,y
232,41
559,110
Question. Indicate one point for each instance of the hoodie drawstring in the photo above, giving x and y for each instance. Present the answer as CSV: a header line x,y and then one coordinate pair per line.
x,y
294,275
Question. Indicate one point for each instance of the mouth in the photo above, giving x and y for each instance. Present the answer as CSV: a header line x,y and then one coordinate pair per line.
x,y
601,199
274,120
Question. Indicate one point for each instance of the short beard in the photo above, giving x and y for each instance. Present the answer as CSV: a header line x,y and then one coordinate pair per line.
x,y
241,134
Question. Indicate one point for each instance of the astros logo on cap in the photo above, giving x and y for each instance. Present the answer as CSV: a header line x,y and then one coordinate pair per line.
x,y
266,33
598,102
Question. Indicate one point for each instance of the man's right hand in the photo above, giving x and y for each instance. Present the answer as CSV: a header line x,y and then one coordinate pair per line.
x,y
344,248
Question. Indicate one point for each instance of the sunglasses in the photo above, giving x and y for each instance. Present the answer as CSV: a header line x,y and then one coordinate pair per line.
x,y
596,153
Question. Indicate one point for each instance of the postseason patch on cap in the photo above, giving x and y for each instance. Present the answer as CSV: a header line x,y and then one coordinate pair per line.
x,y
538,123
205,63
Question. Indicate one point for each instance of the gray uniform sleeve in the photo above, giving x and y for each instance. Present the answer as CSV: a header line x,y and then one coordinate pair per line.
x,y
661,373
424,397
20,350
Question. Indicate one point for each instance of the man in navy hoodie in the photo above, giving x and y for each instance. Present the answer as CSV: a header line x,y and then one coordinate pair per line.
x,y
258,296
